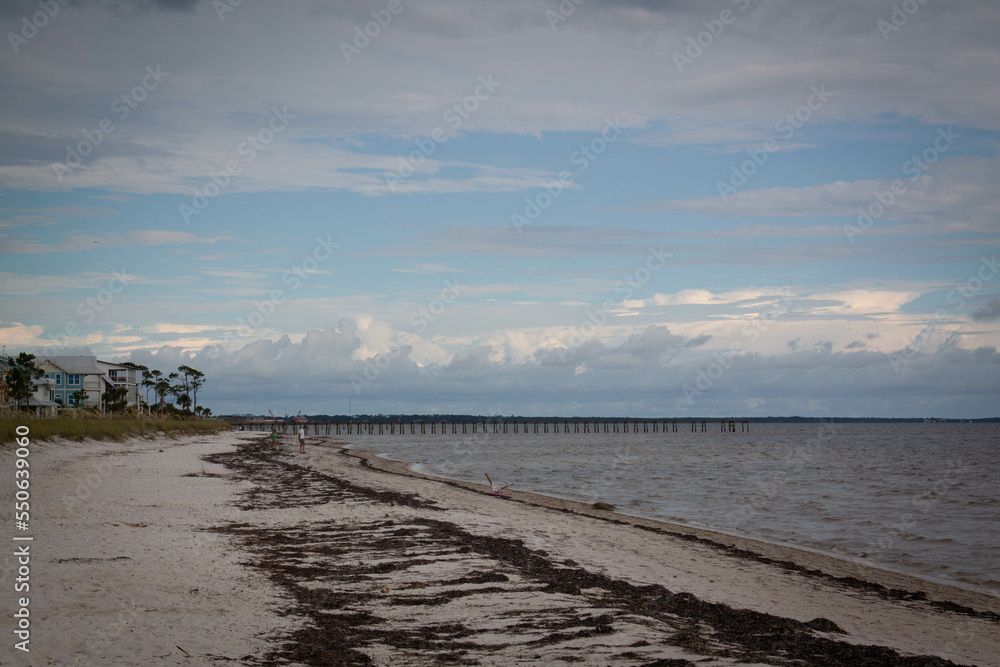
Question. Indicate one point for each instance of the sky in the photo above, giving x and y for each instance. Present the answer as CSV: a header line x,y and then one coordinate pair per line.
x,y
531,207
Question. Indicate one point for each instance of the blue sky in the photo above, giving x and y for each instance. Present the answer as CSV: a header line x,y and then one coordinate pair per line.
x,y
522,207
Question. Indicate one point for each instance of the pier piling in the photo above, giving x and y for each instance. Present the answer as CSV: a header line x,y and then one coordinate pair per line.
x,y
634,426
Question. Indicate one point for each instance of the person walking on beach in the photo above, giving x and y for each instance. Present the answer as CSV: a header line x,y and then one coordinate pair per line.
x,y
302,440
274,438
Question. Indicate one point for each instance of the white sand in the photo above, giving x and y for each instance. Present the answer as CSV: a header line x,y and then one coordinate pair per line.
x,y
642,557
122,574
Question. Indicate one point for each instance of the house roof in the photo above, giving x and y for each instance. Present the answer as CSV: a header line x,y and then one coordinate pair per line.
x,y
77,365
112,364
40,403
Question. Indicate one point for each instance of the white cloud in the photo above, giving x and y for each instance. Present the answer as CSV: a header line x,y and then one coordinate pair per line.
x,y
631,377
867,302
16,333
90,242
957,196
706,297
733,94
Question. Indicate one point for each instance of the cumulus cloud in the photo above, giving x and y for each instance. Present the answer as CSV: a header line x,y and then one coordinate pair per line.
x,y
319,373
528,291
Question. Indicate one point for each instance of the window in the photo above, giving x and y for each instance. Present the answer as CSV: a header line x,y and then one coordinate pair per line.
x,y
118,375
74,379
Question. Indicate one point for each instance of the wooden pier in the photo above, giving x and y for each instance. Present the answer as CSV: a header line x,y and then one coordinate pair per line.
x,y
520,426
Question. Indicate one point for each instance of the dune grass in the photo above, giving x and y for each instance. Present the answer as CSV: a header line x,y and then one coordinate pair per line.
x,y
107,428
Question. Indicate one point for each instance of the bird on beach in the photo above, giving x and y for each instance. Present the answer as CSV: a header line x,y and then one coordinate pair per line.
x,y
497,489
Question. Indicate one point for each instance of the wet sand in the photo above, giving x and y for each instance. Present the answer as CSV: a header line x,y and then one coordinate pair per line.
x,y
220,550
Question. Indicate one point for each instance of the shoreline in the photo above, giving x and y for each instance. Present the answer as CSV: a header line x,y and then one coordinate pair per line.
x,y
915,616
219,550
791,556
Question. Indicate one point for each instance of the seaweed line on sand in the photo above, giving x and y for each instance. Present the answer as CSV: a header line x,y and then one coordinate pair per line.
x,y
426,591
856,583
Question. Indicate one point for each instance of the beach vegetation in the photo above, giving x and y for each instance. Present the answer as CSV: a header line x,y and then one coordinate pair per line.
x,y
82,424
115,399
182,385
23,378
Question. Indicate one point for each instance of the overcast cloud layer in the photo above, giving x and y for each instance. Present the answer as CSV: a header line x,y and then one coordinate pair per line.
x,y
739,207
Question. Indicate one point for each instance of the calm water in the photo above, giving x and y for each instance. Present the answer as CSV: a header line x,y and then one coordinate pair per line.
x,y
917,498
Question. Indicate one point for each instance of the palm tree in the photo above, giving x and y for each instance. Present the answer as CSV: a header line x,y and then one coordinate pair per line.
x,y
162,388
115,399
80,396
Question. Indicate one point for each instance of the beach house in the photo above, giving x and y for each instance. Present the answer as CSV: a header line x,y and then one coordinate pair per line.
x,y
39,402
65,376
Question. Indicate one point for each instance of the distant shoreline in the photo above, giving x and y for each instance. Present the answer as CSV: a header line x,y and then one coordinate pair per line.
x,y
407,418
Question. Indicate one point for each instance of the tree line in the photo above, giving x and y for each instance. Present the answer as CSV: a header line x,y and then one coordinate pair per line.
x,y
183,385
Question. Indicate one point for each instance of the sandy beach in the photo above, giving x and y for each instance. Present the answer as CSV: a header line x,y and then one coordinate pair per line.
x,y
217,550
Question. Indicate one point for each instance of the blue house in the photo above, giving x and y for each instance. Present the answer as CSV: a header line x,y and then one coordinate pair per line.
x,y
65,376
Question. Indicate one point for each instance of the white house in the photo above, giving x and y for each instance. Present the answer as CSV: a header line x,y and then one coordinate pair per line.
x,y
64,376
116,375
39,402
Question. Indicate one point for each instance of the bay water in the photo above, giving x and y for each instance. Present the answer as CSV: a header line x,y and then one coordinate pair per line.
x,y
919,498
